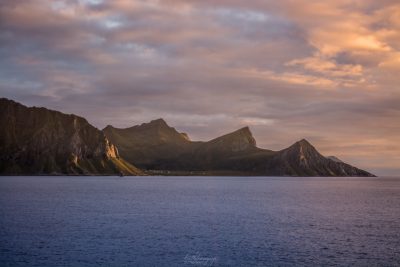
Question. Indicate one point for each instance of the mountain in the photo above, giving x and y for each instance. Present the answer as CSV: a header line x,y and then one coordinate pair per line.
x,y
149,142
303,159
38,141
158,148
237,141
235,152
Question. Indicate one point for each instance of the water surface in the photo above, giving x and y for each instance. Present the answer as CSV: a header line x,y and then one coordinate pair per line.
x,y
199,221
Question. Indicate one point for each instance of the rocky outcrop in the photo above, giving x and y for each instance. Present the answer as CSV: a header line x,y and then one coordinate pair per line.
x,y
41,141
186,136
111,150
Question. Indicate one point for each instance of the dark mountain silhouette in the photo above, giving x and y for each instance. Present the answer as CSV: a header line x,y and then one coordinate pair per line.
x,y
38,141
156,146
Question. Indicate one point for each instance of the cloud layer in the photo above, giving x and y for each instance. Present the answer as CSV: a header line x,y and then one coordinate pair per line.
x,y
322,70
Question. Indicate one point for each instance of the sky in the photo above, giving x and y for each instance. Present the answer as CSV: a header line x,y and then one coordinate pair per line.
x,y
327,71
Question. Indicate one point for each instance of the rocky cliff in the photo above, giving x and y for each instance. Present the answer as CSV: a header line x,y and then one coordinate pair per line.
x,y
41,141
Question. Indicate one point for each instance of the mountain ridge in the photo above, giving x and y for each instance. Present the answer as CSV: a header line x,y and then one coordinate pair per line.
x,y
40,141
236,151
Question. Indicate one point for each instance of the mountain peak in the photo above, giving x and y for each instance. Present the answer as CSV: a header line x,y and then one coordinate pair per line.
x,y
108,127
302,145
245,129
302,150
238,140
242,132
159,121
303,142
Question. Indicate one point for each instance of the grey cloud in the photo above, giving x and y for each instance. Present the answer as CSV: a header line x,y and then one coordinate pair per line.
x,y
209,67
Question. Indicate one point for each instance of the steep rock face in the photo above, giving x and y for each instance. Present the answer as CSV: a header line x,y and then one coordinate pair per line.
x,y
41,141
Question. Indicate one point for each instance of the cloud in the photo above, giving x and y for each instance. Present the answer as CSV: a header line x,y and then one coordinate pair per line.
x,y
322,70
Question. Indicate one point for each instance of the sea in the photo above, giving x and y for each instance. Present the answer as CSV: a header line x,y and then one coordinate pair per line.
x,y
199,221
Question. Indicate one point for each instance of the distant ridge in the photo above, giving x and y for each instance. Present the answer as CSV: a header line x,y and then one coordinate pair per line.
x,y
155,146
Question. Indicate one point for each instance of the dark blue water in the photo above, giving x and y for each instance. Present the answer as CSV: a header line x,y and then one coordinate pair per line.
x,y
199,221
